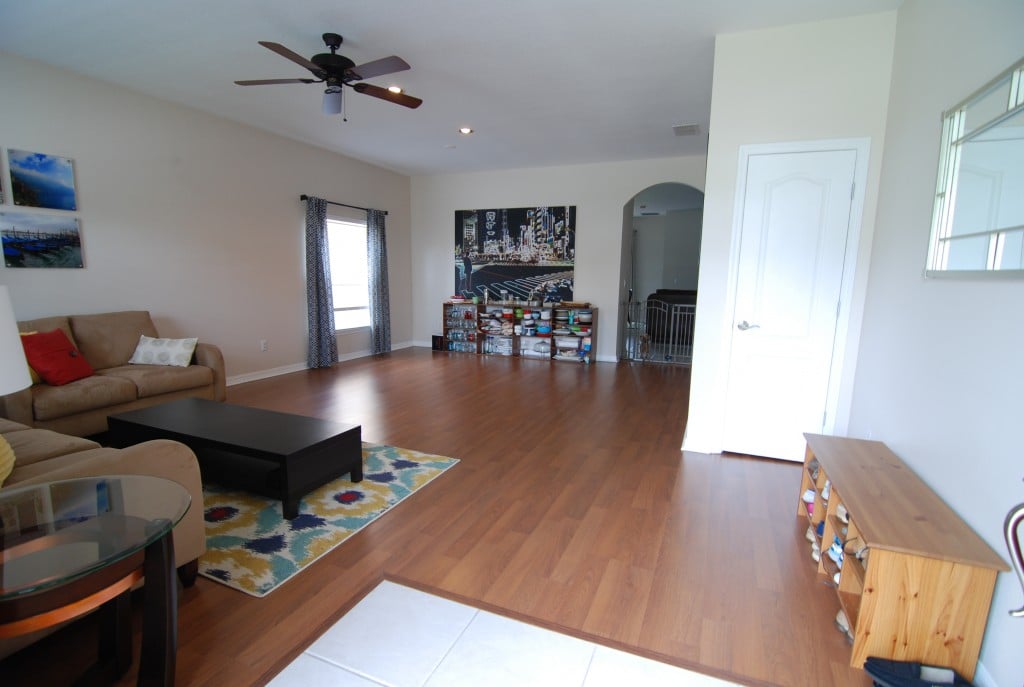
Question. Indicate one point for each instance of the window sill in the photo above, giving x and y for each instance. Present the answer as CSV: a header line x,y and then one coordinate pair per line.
x,y
350,330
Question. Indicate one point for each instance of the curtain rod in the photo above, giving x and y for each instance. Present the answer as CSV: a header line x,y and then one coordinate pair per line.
x,y
344,205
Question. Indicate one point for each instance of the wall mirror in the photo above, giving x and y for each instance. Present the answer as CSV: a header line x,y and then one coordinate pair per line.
x,y
978,217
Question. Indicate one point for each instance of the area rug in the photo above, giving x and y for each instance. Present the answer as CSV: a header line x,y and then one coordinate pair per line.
x,y
252,548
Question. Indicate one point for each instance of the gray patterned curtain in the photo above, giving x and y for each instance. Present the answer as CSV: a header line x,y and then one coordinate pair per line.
x,y
323,346
380,305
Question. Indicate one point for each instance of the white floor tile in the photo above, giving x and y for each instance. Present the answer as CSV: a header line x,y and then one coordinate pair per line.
x,y
306,671
401,637
498,652
611,668
396,635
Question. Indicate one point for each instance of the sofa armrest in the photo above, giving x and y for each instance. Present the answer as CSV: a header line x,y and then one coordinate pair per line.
x,y
210,356
17,407
157,458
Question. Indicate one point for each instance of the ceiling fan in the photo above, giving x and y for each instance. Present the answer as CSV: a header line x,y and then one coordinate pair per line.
x,y
338,71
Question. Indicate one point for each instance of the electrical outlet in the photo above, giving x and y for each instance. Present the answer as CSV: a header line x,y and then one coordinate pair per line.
x,y
263,345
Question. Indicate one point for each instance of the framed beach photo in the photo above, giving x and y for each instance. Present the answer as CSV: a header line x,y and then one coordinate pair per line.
x,y
33,240
42,181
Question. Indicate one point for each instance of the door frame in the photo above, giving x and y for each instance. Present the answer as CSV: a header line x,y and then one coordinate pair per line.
x,y
837,400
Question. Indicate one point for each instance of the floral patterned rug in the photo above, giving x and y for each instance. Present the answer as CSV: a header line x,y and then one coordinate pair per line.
x,y
252,548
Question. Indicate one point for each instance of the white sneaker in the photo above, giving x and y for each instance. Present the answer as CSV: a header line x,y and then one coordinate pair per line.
x,y
808,496
842,514
843,624
827,490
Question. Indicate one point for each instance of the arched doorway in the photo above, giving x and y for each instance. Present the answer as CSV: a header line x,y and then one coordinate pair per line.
x,y
660,261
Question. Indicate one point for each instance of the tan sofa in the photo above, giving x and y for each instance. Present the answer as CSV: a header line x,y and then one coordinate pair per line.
x,y
43,456
107,341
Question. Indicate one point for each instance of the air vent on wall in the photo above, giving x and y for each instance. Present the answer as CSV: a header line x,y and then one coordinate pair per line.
x,y
686,129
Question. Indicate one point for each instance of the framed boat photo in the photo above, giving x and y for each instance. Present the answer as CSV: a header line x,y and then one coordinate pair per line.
x,y
37,240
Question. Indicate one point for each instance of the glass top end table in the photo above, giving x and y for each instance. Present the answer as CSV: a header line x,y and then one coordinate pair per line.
x,y
71,546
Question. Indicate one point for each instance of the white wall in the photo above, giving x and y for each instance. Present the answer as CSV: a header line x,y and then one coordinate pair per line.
x,y
667,251
598,191
825,80
940,371
191,217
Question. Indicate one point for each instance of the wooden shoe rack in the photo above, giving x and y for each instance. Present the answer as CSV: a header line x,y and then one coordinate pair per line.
x,y
923,591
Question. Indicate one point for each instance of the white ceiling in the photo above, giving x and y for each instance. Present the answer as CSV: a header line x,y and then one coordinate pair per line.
x,y
542,82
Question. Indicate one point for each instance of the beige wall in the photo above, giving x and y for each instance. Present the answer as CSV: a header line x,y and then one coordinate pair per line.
x,y
598,191
940,370
189,216
825,80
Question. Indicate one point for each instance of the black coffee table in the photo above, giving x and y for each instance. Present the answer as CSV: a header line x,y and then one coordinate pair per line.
x,y
279,455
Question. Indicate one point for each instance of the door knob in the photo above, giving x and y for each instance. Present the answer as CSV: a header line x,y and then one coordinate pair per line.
x,y
744,326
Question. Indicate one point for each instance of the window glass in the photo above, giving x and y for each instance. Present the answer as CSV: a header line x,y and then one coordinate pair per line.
x,y
349,286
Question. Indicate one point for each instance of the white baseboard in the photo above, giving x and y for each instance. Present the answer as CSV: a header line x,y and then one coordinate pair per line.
x,y
298,367
982,678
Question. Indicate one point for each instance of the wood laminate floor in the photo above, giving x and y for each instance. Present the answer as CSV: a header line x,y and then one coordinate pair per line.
x,y
572,508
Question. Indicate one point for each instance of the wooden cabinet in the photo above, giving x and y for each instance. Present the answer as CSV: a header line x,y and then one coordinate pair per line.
x,y
563,332
921,588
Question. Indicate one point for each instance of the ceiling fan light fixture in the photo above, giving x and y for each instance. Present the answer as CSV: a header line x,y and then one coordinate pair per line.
x,y
395,89
332,100
465,131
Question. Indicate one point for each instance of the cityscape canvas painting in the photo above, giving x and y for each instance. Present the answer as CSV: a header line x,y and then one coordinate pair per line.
x,y
31,240
42,181
520,253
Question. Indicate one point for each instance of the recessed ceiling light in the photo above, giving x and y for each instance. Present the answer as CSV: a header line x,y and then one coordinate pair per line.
x,y
395,89
465,131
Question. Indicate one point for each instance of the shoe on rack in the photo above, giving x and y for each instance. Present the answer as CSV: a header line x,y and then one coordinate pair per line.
x,y
815,551
809,534
842,514
835,552
826,490
821,528
856,548
888,673
843,625
808,496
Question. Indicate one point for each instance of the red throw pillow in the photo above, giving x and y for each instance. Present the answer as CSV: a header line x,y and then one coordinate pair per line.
x,y
55,358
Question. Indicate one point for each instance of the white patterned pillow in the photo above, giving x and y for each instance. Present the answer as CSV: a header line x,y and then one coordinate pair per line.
x,y
150,351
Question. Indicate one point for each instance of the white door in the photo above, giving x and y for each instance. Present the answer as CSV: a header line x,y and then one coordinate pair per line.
x,y
796,214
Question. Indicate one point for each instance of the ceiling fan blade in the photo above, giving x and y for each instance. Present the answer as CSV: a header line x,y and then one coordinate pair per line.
x,y
385,65
265,82
293,56
385,94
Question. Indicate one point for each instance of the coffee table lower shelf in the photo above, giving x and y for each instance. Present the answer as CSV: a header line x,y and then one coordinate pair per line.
x,y
278,455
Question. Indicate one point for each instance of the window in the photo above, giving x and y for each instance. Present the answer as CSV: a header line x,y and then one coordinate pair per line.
x,y
346,240
978,217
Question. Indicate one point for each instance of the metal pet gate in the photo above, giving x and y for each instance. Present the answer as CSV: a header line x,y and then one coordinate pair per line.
x,y
659,332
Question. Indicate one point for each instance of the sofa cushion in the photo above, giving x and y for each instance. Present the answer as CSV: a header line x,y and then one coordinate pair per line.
x,y
56,464
33,445
98,391
177,352
109,339
11,426
48,324
153,380
55,358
